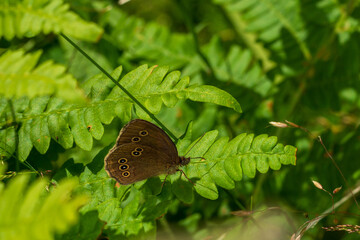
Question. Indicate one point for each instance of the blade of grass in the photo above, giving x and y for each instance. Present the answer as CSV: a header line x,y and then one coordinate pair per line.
x,y
122,88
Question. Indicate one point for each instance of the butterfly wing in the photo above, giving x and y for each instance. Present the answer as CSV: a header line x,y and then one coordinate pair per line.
x,y
149,134
157,153
132,162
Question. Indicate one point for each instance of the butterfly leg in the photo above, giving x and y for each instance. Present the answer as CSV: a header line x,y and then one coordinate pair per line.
x,y
182,172
163,183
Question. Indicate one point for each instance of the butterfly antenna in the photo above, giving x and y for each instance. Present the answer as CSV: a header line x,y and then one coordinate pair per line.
x,y
194,145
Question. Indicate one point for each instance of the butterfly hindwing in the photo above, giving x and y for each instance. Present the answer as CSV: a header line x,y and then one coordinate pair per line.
x,y
142,150
132,162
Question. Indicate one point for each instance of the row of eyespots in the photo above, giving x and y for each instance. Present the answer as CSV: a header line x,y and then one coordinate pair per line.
x,y
124,167
137,152
141,133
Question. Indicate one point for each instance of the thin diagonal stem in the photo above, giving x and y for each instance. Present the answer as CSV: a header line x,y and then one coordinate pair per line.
x,y
25,163
189,24
12,110
121,87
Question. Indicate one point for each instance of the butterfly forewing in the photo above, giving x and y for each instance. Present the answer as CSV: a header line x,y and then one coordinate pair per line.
x,y
142,150
148,134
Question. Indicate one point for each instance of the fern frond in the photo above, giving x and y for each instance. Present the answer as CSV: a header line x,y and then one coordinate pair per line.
x,y
28,18
157,43
19,76
43,118
151,41
237,67
29,212
277,23
153,88
226,161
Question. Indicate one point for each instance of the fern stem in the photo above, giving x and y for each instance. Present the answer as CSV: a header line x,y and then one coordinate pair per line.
x,y
121,87
190,26
12,110
258,186
292,106
249,39
17,142
239,204
167,228
27,164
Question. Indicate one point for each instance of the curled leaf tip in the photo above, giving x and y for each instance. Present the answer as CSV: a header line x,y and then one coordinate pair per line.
x,y
279,124
317,184
336,190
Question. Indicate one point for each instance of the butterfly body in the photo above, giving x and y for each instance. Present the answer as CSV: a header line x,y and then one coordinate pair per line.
x,y
142,150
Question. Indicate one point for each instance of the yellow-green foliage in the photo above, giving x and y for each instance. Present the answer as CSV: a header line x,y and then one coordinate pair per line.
x,y
28,18
19,76
29,211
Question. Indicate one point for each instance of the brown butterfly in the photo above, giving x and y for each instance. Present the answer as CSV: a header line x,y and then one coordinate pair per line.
x,y
141,151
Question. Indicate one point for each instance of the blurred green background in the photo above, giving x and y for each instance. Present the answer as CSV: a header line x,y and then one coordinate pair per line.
x,y
296,60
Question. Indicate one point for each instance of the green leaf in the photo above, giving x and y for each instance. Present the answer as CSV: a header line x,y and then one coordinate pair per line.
x,y
206,187
89,227
44,213
233,167
93,123
175,50
25,139
47,117
39,134
238,66
153,208
30,18
183,190
212,94
7,142
80,130
59,130
150,88
21,77
225,162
